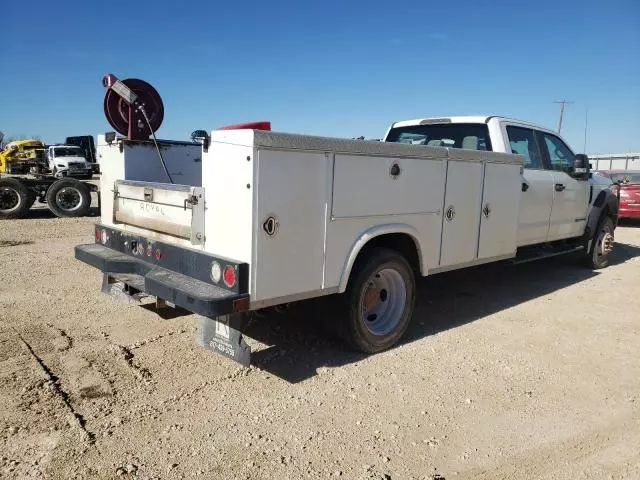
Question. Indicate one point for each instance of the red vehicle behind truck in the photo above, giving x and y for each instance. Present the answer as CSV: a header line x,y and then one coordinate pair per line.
x,y
627,184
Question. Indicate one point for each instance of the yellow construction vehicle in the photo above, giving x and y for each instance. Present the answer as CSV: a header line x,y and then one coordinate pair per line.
x,y
20,156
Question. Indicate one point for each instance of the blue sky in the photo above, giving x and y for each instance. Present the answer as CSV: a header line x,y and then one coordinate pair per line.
x,y
338,68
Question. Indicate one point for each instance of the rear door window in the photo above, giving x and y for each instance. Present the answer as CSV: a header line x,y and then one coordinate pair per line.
x,y
470,136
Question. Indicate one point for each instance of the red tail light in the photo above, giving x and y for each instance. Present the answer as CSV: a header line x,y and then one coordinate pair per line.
x,y
98,235
158,254
229,276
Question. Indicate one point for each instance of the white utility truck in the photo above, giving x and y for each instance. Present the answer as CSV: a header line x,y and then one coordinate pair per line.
x,y
249,218
68,161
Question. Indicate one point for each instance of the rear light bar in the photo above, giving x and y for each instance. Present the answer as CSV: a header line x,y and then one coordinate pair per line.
x,y
225,273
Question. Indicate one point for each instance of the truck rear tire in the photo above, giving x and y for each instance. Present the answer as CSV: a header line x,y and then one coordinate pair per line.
x,y
380,299
15,198
598,255
69,198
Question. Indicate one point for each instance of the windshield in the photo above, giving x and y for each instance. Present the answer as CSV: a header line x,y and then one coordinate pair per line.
x,y
470,136
625,177
68,152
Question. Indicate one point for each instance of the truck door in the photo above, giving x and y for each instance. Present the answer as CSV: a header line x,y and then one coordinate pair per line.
x,y
570,196
537,187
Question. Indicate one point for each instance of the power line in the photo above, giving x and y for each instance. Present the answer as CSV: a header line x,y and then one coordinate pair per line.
x,y
562,105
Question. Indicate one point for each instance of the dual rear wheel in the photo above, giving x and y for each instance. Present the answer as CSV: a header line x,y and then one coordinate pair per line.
x,y
15,198
69,198
65,198
379,300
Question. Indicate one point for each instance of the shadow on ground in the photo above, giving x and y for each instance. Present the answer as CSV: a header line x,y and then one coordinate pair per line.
x,y
44,212
299,344
629,222
168,313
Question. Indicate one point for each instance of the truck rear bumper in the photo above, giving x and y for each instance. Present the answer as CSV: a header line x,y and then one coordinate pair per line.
x,y
184,291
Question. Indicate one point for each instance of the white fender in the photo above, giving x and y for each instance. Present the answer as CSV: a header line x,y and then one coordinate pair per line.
x,y
373,232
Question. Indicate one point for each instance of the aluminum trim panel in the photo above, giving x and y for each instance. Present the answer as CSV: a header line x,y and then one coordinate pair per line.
x,y
163,186
461,155
289,141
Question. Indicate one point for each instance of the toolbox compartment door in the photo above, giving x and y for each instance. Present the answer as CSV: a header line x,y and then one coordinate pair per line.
x,y
500,210
176,210
461,218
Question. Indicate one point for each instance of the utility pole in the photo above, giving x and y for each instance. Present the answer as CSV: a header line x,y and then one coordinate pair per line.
x,y
562,105
586,122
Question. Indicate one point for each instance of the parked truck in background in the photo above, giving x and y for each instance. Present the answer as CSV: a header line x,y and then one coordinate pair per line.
x,y
25,177
68,161
86,143
252,219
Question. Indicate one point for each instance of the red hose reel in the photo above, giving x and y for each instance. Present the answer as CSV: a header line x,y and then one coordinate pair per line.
x,y
127,102
134,109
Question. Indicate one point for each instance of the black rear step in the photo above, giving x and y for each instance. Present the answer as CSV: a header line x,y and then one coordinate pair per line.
x,y
186,292
179,276
192,263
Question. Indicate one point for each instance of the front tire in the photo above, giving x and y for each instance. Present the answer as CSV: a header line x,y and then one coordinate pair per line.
x,y
380,299
599,255
69,198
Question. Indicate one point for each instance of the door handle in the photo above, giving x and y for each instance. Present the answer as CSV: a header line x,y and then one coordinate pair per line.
x,y
525,187
560,187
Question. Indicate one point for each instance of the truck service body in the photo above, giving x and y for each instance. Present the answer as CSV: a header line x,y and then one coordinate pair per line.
x,y
254,218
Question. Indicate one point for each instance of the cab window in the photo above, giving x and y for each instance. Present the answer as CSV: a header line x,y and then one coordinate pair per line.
x,y
522,141
560,157
470,136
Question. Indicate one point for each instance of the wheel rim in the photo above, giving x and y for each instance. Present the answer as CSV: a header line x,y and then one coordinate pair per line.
x,y
383,301
604,244
9,199
69,199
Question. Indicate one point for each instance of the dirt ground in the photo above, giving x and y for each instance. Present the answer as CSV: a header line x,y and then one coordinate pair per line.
x,y
525,372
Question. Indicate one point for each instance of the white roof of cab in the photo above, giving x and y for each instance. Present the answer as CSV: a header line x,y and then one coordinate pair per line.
x,y
464,119
468,119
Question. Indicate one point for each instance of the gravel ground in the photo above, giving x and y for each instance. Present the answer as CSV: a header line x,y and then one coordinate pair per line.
x,y
507,372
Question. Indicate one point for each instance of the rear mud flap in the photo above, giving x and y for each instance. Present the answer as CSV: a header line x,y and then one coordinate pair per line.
x,y
223,335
